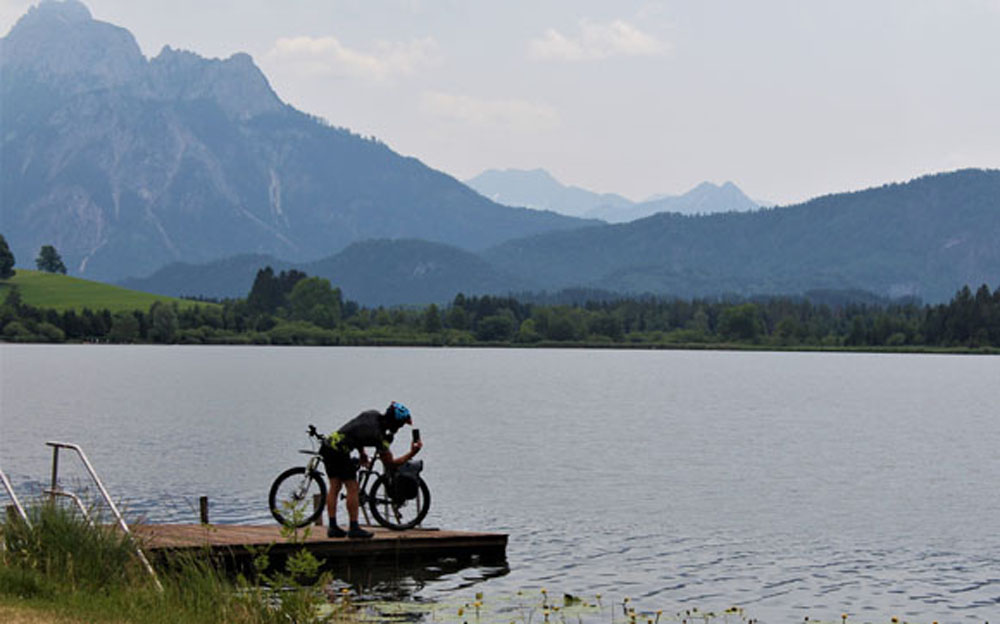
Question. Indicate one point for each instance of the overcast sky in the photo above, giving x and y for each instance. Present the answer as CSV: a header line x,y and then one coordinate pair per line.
x,y
789,99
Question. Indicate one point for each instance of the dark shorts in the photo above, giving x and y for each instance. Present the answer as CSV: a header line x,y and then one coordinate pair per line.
x,y
339,464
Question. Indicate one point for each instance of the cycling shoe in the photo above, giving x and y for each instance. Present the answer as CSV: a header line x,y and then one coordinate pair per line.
x,y
335,531
357,532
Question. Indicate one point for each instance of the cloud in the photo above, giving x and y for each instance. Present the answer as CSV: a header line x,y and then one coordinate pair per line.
x,y
514,114
596,41
327,56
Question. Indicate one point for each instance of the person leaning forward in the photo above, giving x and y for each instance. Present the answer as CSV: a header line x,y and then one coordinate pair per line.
x,y
367,429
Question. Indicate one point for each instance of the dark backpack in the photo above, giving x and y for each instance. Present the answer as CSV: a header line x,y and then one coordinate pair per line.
x,y
406,481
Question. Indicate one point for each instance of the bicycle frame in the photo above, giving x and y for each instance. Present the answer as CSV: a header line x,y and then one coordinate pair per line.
x,y
314,462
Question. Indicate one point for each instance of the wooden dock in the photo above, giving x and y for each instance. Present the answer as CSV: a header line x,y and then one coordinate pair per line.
x,y
236,543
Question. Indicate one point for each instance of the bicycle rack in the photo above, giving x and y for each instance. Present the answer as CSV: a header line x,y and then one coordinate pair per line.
x,y
17,504
55,490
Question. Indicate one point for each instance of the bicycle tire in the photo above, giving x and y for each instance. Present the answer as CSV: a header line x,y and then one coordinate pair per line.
x,y
378,498
291,503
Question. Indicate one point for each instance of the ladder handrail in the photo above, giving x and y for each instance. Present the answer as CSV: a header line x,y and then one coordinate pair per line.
x,y
75,499
10,492
56,490
93,475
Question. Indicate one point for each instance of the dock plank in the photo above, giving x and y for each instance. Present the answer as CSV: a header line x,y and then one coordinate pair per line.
x,y
238,540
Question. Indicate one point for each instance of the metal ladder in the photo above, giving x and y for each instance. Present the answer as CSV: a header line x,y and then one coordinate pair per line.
x,y
55,490
17,504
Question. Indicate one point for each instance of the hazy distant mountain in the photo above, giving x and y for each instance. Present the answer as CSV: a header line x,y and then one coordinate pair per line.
x,y
384,272
127,164
230,277
538,189
925,238
376,272
706,198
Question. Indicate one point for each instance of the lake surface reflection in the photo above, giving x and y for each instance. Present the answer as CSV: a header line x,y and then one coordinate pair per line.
x,y
792,484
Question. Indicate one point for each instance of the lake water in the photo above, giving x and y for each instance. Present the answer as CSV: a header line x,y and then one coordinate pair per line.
x,y
792,484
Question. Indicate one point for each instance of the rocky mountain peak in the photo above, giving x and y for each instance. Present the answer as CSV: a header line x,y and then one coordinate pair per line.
x,y
58,41
65,11
235,83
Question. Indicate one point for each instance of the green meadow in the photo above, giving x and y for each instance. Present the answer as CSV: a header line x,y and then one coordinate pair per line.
x,y
62,292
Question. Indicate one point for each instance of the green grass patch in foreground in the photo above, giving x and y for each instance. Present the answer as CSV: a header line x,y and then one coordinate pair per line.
x,y
67,567
62,292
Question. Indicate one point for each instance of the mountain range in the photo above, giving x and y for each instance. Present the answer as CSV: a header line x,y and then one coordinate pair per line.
x,y
925,238
538,189
127,164
187,175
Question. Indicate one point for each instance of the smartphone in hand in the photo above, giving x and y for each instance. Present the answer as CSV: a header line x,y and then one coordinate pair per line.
x,y
416,435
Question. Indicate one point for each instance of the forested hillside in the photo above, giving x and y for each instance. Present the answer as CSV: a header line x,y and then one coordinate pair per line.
x,y
924,238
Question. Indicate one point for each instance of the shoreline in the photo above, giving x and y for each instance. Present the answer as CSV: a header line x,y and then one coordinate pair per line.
x,y
601,346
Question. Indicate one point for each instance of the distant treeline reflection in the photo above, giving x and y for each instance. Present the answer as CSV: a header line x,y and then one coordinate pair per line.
x,y
291,308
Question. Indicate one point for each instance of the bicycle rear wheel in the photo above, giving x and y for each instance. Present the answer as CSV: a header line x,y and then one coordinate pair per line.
x,y
398,515
291,497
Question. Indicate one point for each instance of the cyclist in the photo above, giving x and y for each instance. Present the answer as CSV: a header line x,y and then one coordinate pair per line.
x,y
368,429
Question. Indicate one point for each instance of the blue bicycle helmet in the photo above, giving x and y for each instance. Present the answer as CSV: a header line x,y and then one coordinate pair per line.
x,y
399,412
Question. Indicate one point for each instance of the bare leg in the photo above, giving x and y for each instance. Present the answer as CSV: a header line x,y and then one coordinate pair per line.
x,y
352,499
331,500
355,530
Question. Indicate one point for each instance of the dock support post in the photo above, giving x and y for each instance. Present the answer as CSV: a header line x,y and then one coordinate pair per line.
x,y
203,508
318,504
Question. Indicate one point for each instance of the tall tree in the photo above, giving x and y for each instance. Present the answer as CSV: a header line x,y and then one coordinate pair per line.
x,y
163,320
313,299
6,260
49,260
432,319
270,291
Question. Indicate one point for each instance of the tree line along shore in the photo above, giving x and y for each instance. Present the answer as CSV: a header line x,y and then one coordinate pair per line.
x,y
292,308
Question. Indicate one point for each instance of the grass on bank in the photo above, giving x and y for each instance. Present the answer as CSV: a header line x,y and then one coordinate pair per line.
x,y
62,292
64,569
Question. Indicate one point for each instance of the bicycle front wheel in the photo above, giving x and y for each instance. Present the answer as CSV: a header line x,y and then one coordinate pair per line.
x,y
291,497
394,514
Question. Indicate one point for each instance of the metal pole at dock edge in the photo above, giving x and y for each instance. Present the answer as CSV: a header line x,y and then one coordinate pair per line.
x,y
55,472
104,492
